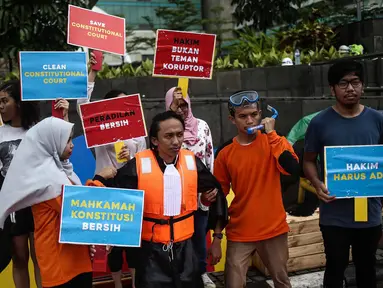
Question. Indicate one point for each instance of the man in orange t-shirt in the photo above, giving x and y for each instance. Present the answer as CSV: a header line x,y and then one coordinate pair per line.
x,y
251,164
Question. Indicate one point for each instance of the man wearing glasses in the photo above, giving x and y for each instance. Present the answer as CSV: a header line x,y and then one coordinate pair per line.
x,y
346,123
251,164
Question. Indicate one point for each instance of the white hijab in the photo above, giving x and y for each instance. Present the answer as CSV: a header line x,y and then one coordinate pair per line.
x,y
36,173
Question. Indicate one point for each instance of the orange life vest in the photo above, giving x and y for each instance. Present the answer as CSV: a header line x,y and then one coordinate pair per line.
x,y
156,227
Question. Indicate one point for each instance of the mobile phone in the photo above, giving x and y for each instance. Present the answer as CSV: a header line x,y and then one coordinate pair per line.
x,y
98,57
58,113
100,260
117,148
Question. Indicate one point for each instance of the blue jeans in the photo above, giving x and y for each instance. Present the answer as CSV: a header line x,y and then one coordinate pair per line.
x,y
199,238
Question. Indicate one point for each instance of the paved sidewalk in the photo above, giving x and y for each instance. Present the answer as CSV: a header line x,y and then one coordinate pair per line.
x,y
311,277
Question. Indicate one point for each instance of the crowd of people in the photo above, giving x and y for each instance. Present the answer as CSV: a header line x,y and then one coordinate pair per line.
x,y
185,186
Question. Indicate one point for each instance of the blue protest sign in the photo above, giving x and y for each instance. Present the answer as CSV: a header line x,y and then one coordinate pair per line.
x,y
354,171
52,75
101,216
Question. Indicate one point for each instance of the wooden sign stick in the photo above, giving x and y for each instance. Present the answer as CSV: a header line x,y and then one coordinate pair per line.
x,y
361,209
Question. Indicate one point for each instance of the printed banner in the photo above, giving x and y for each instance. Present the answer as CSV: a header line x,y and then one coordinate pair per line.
x,y
52,75
184,54
112,120
101,216
354,171
95,30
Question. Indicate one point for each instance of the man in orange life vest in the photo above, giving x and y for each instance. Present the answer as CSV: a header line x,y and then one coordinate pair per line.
x,y
171,178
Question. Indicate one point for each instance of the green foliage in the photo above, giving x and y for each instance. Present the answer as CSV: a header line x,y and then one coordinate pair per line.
x,y
126,70
305,36
250,44
182,17
265,14
226,63
34,25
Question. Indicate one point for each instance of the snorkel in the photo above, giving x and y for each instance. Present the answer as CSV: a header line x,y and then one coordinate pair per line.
x,y
254,129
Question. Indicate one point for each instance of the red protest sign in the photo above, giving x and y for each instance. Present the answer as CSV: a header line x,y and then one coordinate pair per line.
x,y
95,30
112,120
184,54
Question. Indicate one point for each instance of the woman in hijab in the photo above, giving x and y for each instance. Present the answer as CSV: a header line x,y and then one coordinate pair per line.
x,y
198,139
35,178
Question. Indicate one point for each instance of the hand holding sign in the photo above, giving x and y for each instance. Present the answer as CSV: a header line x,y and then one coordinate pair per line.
x,y
124,153
108,172
323,194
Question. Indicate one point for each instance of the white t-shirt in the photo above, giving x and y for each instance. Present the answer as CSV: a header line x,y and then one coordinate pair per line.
x,y
10,138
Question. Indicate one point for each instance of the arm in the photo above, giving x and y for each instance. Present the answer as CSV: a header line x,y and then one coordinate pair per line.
x,y
55,204
209,155
313,147
126,177
222,174
218,209
283,152
91,79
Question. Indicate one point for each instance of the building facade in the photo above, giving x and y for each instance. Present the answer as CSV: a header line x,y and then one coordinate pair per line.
x,y
134,11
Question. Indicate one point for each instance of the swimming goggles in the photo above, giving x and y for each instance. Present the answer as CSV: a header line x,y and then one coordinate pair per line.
x,y
237,99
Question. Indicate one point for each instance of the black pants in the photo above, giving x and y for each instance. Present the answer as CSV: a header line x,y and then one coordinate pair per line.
x,y
364,243
80,281
155,270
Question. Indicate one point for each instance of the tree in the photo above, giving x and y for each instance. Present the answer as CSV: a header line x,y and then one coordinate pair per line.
x,y
218,25
265,14
34,25
182,17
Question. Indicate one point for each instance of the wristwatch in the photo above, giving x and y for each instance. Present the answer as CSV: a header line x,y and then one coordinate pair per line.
x,y
218,235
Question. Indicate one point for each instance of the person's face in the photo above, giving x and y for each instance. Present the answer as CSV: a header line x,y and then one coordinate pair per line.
x,y
348,91
170,138
8,107
177,94
120,95
68,149
246,117
183,108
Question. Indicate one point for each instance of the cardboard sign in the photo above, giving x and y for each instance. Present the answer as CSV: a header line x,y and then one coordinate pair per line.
x,y
52,75
354,171
101,216
184,54
95,30
113,120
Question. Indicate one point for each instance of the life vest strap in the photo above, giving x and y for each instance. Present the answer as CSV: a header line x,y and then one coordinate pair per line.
x,y
169,222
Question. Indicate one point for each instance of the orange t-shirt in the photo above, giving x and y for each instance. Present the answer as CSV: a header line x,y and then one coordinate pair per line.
x,y
256,212
59,263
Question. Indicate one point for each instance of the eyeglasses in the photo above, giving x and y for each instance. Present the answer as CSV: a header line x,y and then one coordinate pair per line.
x,y
183,107
355,83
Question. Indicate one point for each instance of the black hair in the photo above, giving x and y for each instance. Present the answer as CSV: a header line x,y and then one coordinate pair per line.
x,y
232,108
113,94
161,117
343,68
29,110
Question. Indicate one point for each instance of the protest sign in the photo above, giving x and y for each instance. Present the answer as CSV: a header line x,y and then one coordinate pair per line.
x,y
184,54
95,30
52,75
113,120
101,216
354,171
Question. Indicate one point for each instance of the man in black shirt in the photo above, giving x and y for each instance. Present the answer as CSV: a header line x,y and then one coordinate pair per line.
x,y
171,178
